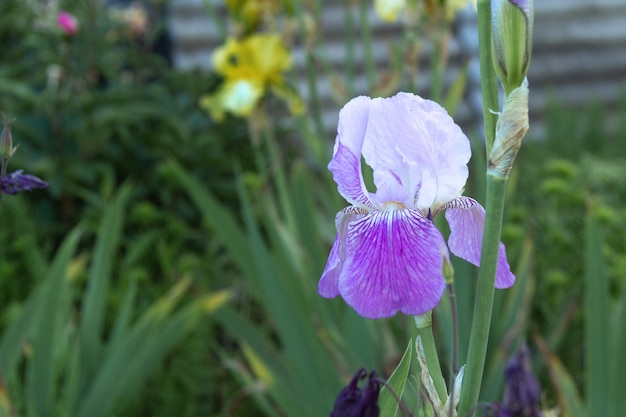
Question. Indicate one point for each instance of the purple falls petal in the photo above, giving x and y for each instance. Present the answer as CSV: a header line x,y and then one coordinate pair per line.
x,y
346,163
327,286
466,219
18,181
393,262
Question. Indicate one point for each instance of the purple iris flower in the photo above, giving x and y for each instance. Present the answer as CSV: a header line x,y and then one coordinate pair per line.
x,y
388,255
353,401
18,181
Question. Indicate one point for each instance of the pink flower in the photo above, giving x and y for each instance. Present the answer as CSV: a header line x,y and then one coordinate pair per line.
x,y
388,255
67,22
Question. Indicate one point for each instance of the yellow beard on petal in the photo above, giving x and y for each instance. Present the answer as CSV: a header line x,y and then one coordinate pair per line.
x,y
393,205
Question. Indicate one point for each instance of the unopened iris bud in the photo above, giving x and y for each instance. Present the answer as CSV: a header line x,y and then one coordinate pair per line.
x,y
448,270
522,392
512,31
355,401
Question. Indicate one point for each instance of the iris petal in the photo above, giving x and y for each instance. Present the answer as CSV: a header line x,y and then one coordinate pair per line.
x,y
346,163
417,141
466,218
393,262
327,286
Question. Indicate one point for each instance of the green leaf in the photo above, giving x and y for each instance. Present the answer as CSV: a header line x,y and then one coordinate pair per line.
x,y
456,91
397,382
92,320
130,358
40,377
596,303
220,219
618,359
124,316
569,399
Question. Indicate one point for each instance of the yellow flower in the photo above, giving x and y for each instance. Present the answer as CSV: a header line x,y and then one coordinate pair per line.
x,y
453,6
249,67
251,12
388,10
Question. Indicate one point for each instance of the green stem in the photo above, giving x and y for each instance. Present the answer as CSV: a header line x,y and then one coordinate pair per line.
x,y
455,344
479,336
348,21
310,46
316,106
366,33
488,78
218,21
425,332
436,73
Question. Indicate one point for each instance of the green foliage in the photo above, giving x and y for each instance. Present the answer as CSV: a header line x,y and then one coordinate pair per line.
x,y
566,188
59,358
101,107
397,382
86,121
320,342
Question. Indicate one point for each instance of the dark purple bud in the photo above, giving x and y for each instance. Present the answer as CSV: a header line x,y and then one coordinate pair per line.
x,y
18,181
522,392
353,401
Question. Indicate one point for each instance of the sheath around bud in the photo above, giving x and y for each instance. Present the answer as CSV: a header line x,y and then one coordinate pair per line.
x,y
510,130
512,29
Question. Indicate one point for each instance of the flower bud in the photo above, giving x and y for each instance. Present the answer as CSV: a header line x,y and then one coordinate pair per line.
x,y
68,23
355,401
512,29
448,271
522,392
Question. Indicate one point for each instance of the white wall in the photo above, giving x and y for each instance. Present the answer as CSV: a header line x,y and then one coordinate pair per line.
x,y
579,52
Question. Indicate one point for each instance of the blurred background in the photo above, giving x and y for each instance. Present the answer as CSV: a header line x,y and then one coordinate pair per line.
x,y
171,267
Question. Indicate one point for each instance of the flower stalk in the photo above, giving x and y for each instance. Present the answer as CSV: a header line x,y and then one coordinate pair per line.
x,y
479,336
503,135
488,78
424,326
